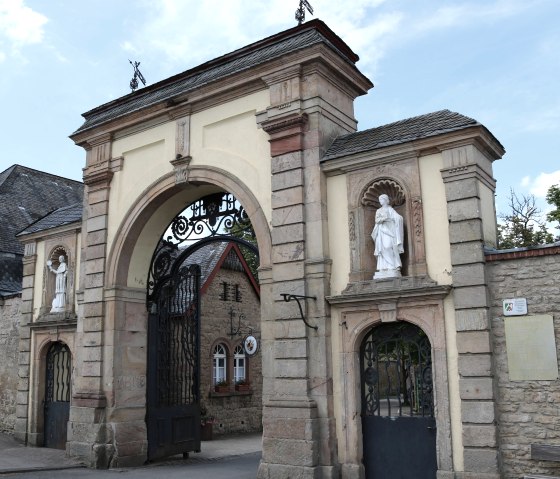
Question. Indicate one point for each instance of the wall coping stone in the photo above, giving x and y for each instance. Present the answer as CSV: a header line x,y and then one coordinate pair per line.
x,y
520,253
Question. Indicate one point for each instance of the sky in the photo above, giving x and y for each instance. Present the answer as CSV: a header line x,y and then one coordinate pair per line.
x,y
497,61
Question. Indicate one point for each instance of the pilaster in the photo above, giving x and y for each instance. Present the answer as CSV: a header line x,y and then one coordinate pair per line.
x,y
24,358
466,170
91,440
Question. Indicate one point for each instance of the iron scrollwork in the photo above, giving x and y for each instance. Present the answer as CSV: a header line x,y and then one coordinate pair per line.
x,y
396,369
214,216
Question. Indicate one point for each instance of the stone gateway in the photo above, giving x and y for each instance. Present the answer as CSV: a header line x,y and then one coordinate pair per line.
x,y
399,357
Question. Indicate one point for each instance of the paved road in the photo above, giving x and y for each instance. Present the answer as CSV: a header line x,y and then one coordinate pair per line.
x,y
236,467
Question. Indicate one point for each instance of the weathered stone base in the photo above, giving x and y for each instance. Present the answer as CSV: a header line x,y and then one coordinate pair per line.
x,y
476,475
353,471
280,471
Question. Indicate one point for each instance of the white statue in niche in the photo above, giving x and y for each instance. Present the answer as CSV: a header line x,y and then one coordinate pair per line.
x,y
388,237
59,301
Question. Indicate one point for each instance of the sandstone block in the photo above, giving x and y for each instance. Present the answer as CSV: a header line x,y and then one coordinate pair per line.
x,y
472,319
467,253
475,365
470,297
288,197
473,342
288,234
289,252
469,275
479,388
463,209
290,451
481,460
289,161
479,436
287,179
287,215
465,231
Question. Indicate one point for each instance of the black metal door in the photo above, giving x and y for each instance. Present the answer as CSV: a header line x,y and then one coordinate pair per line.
x,y
398,424
57,395
173,412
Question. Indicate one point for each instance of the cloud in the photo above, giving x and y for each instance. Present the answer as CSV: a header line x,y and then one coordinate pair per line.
x,y
540,185
19,24
465,14
183,33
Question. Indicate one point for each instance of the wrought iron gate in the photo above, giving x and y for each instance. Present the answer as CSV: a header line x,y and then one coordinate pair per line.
x,y
173,412
57,395
398,424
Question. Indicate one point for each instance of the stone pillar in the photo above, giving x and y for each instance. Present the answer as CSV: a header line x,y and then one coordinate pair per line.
x,y
89,438
466,171
24,361
299,438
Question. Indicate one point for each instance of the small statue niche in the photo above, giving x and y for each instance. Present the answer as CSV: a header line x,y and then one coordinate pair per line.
x,y
59,267
388,230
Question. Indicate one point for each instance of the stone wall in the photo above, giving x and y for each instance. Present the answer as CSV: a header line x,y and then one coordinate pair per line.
x,y
234,411
527,411
9,341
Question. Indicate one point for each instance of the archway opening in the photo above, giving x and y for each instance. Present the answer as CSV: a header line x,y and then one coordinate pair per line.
x,y
398,423
203,301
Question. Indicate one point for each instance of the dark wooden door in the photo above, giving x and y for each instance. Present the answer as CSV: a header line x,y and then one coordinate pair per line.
x,y
57,395
173,412
398,424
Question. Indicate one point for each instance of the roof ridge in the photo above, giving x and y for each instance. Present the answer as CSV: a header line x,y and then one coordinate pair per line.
x,y
17,166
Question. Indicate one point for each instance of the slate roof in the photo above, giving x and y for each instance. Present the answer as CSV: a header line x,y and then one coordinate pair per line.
x,y
423,126
61,216
26,196
207,258
273,47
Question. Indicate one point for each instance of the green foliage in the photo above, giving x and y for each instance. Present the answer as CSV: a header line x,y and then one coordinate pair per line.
x,y
553,198
249,255
523,225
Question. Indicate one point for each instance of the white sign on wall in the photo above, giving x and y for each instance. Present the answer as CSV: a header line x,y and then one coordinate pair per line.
x,y
531,348
515,307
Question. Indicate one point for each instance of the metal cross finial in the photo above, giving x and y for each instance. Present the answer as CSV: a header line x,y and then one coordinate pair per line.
x,y
137,76
300,12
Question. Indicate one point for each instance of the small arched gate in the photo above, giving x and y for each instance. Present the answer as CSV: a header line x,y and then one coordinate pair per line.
x,y
57,395
398,424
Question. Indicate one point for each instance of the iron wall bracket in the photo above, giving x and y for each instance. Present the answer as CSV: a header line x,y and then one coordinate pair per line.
x,y
288,297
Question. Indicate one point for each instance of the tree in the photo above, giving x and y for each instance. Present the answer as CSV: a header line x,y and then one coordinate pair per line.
x,y
553,198
523,225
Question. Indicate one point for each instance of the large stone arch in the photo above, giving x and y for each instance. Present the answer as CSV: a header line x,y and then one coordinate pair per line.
x,y
121,254
125,316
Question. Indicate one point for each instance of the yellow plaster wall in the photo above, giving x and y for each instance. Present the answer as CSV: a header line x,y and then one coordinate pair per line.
x,y
339,236
227,137
224,137
40,266
436,227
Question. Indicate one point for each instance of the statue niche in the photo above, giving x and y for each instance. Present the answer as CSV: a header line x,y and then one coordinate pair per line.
x,y
57,285
385,198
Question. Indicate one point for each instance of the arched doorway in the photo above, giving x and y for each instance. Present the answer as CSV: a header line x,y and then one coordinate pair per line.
x,y
174,408
398,423
57,395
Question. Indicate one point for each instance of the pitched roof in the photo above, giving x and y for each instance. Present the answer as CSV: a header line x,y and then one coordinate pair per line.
x,y
250,56
61,216
423,126
11,272
26,195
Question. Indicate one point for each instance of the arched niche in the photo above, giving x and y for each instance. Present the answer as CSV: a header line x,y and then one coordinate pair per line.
x,y
401,182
